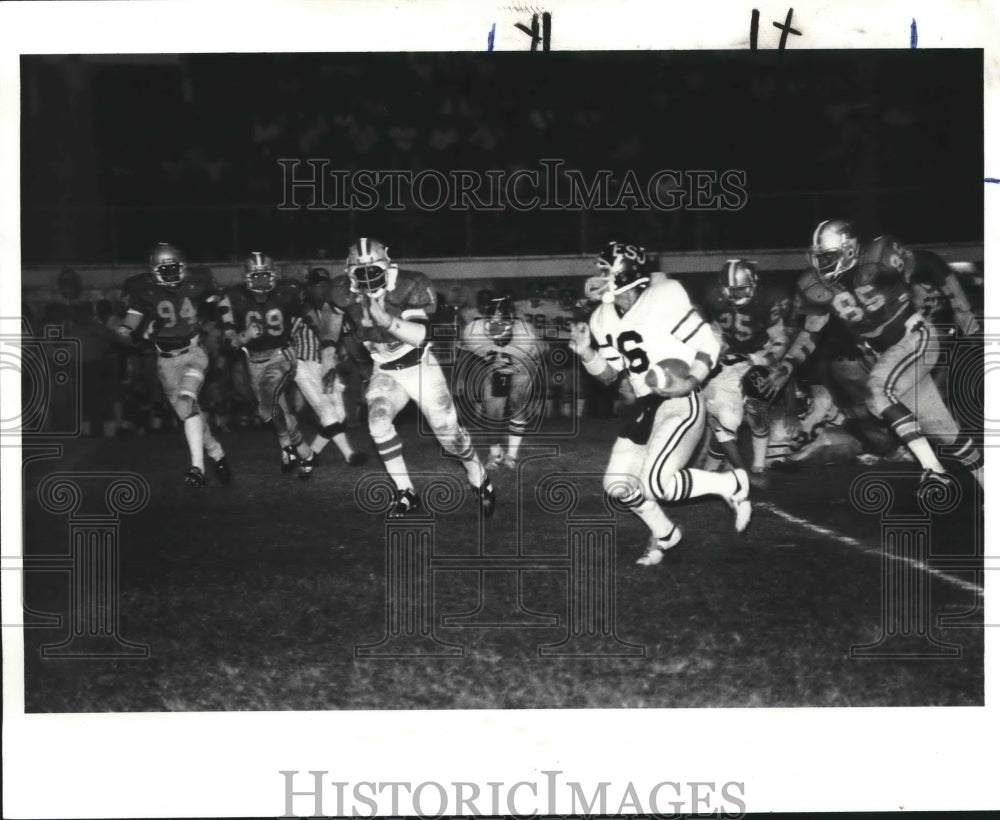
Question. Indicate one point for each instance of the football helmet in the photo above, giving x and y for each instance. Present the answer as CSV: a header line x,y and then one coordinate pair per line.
x,y
167,264
500,320
258,272
624,267
738,282
483,299
834,250
369,267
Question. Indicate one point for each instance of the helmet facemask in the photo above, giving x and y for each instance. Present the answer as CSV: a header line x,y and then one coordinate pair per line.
x,y
258,272
834,251
167,265
500,321
369,268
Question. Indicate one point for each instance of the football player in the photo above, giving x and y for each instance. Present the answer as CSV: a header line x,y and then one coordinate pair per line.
x,y
172,303
389,310
552,319
638,327
314,359
867,288
750,321
505,374
258,318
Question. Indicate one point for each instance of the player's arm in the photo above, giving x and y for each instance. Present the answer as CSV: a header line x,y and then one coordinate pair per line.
x,y
801,348
412,327
594,363
776,346
692,329
937,271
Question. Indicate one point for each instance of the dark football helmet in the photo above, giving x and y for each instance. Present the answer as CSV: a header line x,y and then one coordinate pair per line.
x,y
624,266
738,281
167,265
258,272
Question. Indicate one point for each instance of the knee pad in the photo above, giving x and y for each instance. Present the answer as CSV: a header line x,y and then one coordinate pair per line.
x,y
186,407
379,418
877,401
625,489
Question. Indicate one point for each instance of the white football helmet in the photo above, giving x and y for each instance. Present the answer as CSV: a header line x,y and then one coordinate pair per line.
x,y
369,267
835,249
738,282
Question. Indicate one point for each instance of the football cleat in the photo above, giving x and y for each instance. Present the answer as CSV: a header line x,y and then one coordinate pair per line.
x,y
306,466
194,477
487,497
495,460
658,546
222,471
406,502
289,459
739,501
508,463
357,458
759,479
932,483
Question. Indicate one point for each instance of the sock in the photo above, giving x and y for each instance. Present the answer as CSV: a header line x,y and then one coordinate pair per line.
x,y
513,445
212,446
194,432
318,443
692,483
921,448
390,450
759,444
650,512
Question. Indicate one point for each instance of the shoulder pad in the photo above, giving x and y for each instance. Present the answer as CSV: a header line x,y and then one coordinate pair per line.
x,y
811,290
339,292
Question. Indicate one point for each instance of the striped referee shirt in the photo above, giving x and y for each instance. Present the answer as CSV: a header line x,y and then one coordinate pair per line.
x,y
305,341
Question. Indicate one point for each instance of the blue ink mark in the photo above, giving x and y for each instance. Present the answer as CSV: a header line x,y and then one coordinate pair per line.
x,y
994,180
489,39
913,32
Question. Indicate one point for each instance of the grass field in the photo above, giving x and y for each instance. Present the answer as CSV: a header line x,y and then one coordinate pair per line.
x,y
257,595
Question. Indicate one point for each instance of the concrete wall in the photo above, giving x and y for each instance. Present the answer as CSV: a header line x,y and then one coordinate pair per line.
x,y
105,280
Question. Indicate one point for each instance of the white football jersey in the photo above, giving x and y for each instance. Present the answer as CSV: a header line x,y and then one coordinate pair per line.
x,y
662,324
522,353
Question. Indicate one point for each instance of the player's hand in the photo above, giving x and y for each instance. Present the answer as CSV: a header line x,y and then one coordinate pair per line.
x,y
380,316
254,331
778,379
579,337
330,380
595,287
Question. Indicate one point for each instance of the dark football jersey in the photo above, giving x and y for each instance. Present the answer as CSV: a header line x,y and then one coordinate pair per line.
x,y
275,312
177,310
412,299
744,329
872,300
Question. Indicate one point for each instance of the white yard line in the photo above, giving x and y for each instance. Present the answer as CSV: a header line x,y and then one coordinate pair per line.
x,y
865,548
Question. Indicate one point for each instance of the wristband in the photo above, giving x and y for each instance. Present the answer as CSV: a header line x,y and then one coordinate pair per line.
x,y
594,366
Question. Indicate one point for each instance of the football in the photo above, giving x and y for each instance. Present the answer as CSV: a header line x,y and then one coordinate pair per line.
x,y
666,373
